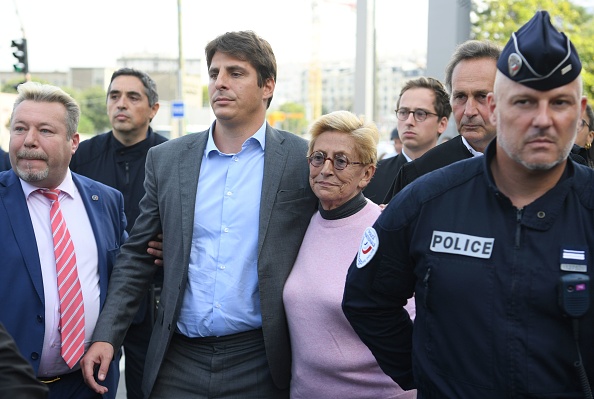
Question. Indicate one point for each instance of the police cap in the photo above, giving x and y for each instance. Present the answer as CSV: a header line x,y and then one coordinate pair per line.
x,y
394,134
539,56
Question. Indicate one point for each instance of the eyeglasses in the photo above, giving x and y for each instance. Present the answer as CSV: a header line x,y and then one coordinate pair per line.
x,y
419,114
340,161
584,123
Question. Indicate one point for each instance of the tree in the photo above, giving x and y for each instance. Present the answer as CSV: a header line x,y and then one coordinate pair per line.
x,y
292,118
85,125
496,20
10,85
93,106
205,97
93,118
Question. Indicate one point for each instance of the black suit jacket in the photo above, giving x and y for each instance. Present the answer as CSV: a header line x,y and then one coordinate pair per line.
x,y
17,379
4,160
442,155
379,186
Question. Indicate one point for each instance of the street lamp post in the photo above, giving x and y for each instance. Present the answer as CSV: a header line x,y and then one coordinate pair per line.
x,y
180,70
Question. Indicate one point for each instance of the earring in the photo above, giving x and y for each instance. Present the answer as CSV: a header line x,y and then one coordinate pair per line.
x,y
588,146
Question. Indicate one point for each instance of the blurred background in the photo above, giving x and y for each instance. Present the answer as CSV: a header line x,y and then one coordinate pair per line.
x,y
331,54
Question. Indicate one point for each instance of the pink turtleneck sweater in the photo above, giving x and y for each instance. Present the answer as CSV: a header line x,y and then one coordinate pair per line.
x,y
329,359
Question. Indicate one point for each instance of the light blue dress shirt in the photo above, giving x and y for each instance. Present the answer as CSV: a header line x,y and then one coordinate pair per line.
x,y
221,295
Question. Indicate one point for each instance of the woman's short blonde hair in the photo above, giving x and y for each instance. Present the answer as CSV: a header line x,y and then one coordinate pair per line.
x,y
364,133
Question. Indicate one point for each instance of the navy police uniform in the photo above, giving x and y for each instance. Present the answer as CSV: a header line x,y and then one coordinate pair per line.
x,y
487,277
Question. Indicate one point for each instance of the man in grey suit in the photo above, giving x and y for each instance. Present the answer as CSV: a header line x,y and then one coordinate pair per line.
x,y
233,203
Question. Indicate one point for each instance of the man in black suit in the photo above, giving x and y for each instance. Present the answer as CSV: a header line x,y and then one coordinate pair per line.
x,y
423,110
117,158
4,160
470,76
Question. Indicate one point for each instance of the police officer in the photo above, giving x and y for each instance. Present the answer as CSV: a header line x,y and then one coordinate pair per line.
x,y
495,249
117,158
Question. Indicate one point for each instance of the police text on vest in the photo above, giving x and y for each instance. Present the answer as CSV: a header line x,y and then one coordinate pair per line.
x,y
462,244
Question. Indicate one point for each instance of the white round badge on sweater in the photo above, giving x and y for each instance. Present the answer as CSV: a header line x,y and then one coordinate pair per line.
x,y
368,248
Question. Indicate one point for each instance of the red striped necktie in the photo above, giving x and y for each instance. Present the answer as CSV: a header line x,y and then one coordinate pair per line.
x,y
72,312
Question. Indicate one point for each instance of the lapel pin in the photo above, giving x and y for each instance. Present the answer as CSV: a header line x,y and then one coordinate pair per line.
x,y
95,197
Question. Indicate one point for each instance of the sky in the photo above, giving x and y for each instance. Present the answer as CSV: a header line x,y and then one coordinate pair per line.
x,y
79,33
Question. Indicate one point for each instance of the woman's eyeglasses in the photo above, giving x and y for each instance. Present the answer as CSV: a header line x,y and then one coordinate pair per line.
x,y
339,162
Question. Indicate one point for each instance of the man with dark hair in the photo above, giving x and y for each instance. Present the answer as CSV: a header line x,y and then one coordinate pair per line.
x,y
495,249
585,136
233,204
469,79
422,111
117,158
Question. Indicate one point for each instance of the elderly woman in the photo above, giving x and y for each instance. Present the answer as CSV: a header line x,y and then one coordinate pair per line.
x,y
329,359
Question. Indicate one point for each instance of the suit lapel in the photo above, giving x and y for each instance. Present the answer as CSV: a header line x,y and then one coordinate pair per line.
x,y
190,160
275,157
93,201
400,160
15,207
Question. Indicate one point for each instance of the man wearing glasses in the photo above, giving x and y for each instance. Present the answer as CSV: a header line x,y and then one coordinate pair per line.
x,y
470,75
585,136
422,111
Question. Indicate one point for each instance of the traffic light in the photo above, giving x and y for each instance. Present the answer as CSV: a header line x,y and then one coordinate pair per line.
x,y
21,55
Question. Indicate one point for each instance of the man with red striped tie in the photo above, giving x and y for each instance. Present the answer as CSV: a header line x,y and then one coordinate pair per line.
x,y
60,235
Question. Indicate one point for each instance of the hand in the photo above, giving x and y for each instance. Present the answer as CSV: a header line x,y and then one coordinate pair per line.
x,y
100,353
383,206
156,249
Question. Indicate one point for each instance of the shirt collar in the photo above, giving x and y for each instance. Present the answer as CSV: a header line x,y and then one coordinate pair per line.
x,y
67,186
474,152
259,137
408,159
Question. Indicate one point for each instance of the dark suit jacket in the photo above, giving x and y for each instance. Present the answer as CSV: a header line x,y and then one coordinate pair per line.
x,y
4,160
172,172
104,159
442,155
21,284
17,380
379,186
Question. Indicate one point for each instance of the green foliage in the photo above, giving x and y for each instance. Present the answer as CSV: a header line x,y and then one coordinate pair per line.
x,y
93,117
93,110
295,118
205,97
85,125
496,20
10,85
93,106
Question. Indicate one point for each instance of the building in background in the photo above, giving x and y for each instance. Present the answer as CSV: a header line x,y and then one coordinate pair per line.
x,y
163,70
338,87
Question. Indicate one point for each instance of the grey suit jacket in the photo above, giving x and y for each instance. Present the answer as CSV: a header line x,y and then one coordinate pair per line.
x,y
172,171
